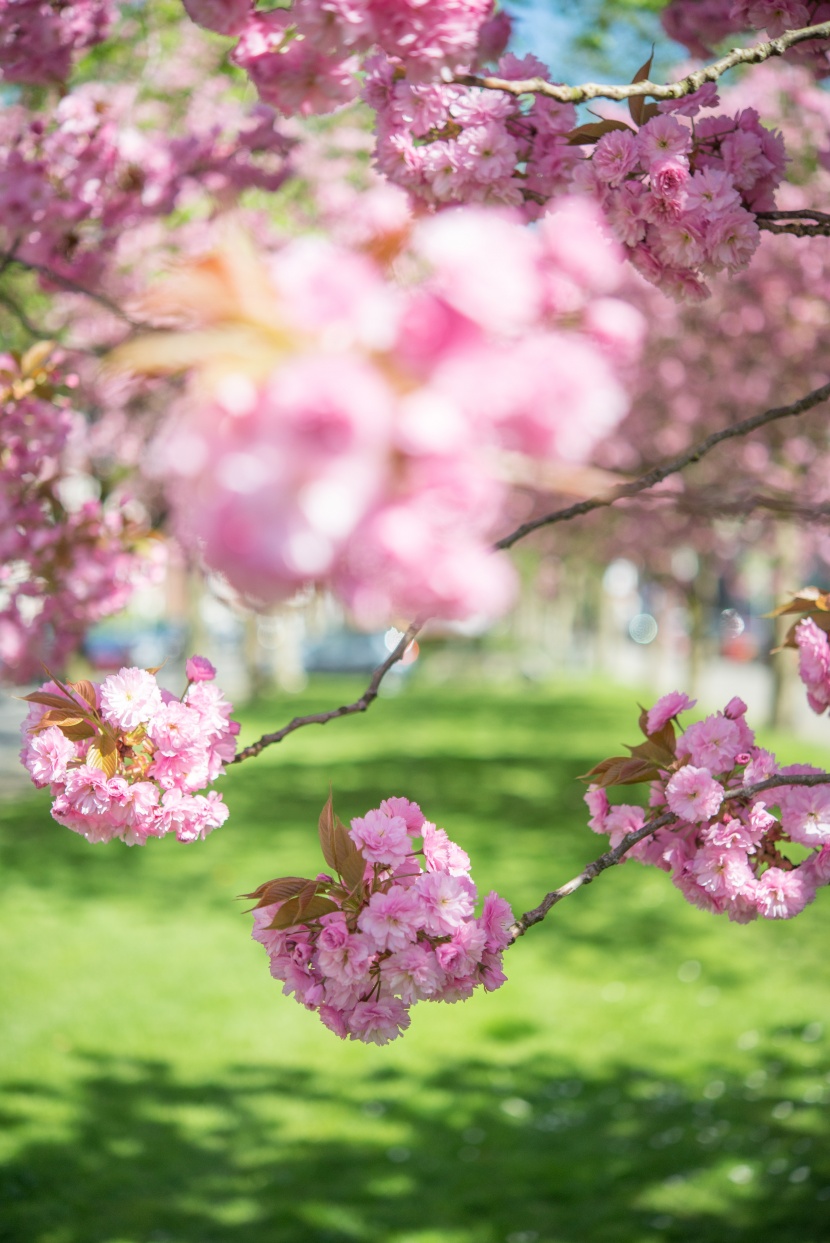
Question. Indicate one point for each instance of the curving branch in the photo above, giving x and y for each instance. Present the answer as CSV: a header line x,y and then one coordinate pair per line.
x,y
322,718
673,90
801,223
649,480
710,504
29,327
8,258
658,473
611,857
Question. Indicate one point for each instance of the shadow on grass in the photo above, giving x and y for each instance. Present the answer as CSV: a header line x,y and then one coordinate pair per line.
x,y
498,769
471,1154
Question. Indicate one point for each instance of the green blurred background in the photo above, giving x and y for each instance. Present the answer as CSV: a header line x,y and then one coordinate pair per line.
x,y
648,1073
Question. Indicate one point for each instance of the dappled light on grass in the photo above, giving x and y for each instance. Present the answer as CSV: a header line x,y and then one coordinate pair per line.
x,y
524,1149
645,1076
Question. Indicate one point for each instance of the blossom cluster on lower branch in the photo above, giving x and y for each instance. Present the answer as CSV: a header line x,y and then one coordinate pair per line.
x,y
363,948
725,852
124,758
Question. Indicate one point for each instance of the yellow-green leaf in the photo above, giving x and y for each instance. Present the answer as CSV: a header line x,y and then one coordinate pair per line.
x,y
103,754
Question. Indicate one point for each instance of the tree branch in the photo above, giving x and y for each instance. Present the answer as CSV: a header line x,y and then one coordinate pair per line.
x,y
658,473
673,90
611,857
649,480
66,282
710,504
322,718
11,304
787,222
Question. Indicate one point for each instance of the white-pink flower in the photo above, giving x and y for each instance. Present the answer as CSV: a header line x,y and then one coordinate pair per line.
x,y
666,708
693,794
130,698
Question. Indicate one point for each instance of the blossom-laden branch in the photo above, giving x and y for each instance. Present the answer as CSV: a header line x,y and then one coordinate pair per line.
x,y
658,473
802,223
359,705
692,82
611,857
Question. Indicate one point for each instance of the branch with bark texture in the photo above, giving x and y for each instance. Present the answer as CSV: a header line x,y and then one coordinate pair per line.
x,y
611,857
800,223
658,473
322,718
692,82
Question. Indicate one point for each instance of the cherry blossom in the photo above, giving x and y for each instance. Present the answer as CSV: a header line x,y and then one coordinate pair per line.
x,y
362,949
125,758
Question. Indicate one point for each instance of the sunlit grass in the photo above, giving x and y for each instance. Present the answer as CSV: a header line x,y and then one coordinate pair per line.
x,y
649,1072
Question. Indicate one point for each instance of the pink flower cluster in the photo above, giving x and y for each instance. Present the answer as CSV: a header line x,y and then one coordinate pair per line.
x,y
681,191
63,565
702,24
454,144
74,179
814,663
362,950
725,848
40,38
125,758
366,446
304,59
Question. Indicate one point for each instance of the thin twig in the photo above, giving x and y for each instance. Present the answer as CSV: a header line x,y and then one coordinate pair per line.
x,y
10,303
658,473
710,504
322,718
611,857
66,282
673,90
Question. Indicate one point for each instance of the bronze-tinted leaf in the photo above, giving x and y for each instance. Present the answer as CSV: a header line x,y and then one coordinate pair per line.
x,y
78,732
343,848
665,736
593,131
352,870
806,600
621,770
325,827
822,620
649,112
636,105
61,717
291,912
653,753
317,907
46,700
86,691
278,890
287,915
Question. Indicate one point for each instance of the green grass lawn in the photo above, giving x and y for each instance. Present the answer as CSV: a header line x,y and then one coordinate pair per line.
x,y
649,1073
